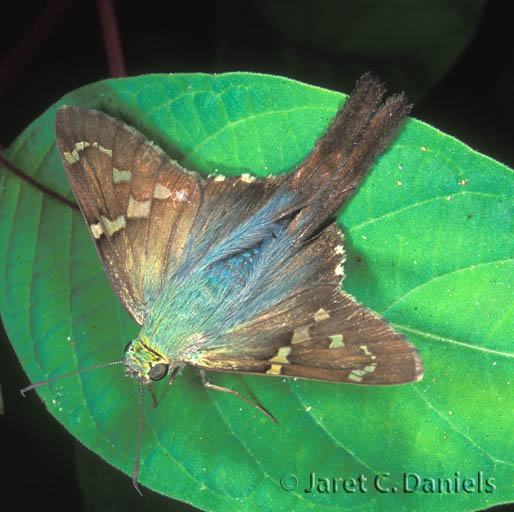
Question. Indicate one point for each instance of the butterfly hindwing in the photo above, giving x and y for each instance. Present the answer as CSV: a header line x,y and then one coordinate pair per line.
x,y
333,170
317,331
348,343
138,204
227,203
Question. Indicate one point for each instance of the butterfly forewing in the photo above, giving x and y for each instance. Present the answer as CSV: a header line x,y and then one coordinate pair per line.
x,y
138,204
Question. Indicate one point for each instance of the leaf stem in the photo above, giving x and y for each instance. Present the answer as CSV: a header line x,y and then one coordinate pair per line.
x,y
111,37
35,184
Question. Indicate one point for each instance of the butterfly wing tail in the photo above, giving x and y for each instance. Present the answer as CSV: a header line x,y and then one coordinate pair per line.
x,y
333,170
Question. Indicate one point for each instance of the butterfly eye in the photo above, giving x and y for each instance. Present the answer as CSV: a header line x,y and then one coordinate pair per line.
x,y
158,371
127,347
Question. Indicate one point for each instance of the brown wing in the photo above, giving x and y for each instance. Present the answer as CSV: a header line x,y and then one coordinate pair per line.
x,y
138,204
318,332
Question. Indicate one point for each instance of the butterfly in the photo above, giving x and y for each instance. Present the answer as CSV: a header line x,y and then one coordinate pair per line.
x,y
239,275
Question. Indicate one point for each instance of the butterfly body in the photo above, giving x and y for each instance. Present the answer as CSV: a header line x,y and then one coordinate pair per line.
x,y
237,274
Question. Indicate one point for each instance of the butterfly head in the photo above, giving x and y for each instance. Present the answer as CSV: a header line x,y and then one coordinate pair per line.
x,y
145,364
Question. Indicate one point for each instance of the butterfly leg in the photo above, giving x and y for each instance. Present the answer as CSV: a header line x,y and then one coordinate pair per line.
x,y
210,385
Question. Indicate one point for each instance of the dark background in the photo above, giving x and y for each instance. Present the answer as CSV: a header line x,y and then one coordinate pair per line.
x,y
465,89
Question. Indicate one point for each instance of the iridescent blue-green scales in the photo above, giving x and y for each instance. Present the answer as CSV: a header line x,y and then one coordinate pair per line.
x,y
207,298
237,274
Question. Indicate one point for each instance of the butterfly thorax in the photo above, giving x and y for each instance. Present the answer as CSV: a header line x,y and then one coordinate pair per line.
x,y
144,363
191,310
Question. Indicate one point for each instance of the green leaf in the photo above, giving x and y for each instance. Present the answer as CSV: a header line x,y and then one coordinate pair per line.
x,y
430,247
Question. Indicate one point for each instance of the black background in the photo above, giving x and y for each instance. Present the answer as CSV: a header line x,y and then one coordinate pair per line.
x,y
472,101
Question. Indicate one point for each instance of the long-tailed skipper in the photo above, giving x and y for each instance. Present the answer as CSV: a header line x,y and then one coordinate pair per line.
x,y
239,275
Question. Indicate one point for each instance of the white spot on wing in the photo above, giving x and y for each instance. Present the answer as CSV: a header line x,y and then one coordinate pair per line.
x,y
281,357
103,150
138,209
275,369
96,230
72,157
111,226
247,178
356,375
337,341
118,175
364,348
161,192
108,152
80,146
320,315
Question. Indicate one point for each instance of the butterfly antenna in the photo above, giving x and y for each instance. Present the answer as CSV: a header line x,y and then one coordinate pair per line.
x,y
47,381
138,449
